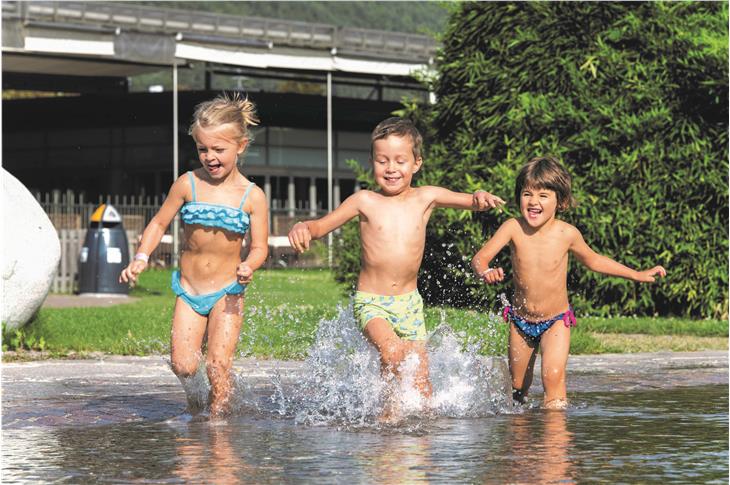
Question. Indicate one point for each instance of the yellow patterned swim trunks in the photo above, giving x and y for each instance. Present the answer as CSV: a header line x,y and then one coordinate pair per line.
x,y
403,312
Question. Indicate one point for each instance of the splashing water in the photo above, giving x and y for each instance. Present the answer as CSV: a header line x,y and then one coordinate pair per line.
x,y
464,382
342,382
196,388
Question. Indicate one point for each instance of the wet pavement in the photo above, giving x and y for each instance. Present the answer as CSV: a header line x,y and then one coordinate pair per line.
x,y
118,389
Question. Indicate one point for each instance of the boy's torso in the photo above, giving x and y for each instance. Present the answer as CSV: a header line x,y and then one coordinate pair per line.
x,y
540,266
393,236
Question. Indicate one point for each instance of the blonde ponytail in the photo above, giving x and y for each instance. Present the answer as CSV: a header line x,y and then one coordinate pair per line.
x,y
225,109
248,111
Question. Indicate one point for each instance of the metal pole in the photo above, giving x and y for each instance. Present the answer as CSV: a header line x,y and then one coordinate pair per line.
x,y
175,167
329,162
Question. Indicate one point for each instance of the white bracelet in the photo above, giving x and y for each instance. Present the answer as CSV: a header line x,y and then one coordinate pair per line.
x,y
142,257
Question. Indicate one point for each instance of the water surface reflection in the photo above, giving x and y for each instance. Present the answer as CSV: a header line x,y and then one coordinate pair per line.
x,y
658,436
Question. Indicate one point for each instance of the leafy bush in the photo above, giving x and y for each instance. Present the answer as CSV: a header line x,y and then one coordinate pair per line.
x,y
633,97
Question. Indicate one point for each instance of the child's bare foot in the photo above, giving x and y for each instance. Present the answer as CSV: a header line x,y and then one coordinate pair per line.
x,y
389,417
392,412
557,404
220,408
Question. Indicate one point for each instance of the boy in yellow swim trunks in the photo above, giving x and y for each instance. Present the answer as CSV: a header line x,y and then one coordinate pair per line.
x,y
403,312
393,236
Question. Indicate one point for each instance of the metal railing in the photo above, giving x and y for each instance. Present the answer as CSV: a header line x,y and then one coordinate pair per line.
x,y
271,32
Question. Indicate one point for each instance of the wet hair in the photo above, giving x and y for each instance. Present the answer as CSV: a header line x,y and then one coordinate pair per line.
x,y
225,109
397,126
546,173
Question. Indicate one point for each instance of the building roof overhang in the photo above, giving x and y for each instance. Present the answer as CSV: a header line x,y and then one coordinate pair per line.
x,y
112,40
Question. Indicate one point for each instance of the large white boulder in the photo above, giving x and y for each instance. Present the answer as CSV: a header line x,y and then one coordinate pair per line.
x,y
30,253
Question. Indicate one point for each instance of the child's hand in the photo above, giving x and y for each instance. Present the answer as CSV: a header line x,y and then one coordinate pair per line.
x,y
648,276
299,237
492,275
244,273
483,200
130,273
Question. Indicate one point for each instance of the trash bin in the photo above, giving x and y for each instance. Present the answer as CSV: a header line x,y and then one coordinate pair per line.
x,y
104,255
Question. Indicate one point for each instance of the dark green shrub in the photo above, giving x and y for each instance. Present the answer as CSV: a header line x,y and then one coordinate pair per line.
x,y
633,97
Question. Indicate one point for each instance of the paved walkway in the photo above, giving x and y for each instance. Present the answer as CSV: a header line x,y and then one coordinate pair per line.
x,y
651,369
68,301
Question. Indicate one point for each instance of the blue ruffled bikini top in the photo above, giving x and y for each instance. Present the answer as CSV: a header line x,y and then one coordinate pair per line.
x,y
216,215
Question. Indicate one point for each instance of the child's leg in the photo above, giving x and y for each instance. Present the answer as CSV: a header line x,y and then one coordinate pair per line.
x,y
422,382
521,354
390,346
554,348
186,339
393,351
224,328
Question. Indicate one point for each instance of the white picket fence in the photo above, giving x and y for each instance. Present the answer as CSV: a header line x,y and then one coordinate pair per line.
x,y
72,240
69,213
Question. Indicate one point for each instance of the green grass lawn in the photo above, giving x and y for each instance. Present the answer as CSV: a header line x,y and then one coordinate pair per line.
x,y
284,308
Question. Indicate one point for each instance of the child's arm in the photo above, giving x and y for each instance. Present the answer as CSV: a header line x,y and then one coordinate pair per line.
x,y
480,261
603,264
259,230
479,200
154,231
303,232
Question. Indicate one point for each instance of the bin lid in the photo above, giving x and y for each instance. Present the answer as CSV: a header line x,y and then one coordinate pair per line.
x,y
105,213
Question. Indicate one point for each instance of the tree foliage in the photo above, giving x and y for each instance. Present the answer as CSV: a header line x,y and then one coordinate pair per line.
x,y
633,97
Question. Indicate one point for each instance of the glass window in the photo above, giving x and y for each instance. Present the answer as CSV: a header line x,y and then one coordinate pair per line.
x,y
298,157
398,94
361,156
356,140
255,155
257,136
295,137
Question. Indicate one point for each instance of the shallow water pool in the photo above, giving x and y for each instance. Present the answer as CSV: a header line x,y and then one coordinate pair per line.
x,y
677,435
634,418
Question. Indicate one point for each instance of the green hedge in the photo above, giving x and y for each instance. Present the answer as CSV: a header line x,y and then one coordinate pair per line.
x,y
633,97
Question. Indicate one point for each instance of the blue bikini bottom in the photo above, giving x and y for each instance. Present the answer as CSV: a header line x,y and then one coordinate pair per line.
x,y
202,304
534,330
